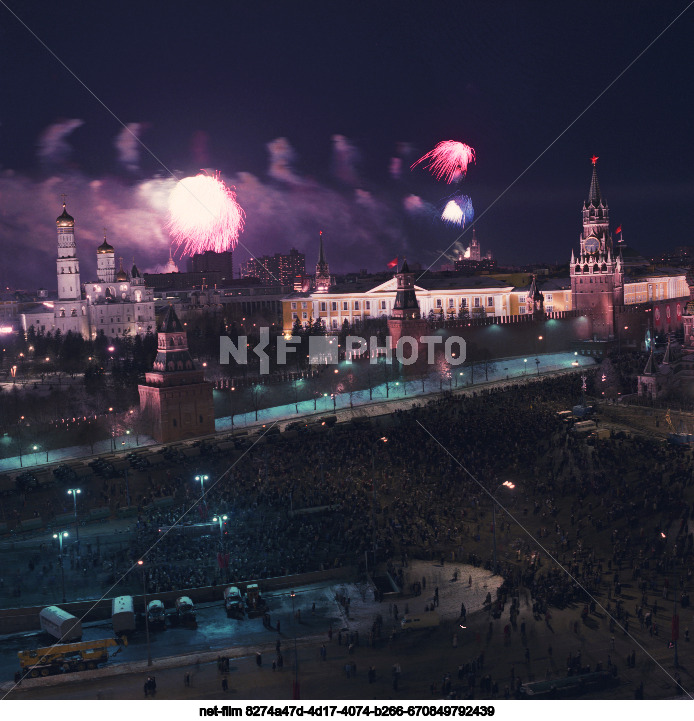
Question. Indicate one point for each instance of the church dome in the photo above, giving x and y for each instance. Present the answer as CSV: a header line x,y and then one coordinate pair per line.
x,y
104,248
121,276
135,273
65,219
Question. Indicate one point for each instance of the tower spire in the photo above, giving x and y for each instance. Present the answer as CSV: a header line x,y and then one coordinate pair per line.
x,y
322,282
594,195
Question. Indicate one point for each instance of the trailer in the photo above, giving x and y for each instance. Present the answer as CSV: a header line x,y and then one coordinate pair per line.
x,y
123,614
66,657
60,624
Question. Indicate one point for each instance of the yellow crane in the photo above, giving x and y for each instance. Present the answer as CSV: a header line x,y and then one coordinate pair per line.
x,y
66,657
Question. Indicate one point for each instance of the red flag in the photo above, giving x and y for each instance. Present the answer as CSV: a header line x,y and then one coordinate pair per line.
x,y
393,263
619,230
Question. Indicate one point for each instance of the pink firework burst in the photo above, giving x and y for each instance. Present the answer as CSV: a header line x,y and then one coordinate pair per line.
x,y
204,215
449,160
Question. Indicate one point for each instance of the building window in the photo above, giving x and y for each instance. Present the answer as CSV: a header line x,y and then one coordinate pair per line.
x,y
549,308
548,297
521,310
367,304
490,300
304,316
293,306
521,299
356,305
303,305
463,303
323,305
477,302
333,305
451,302
345,305
439,304
383,305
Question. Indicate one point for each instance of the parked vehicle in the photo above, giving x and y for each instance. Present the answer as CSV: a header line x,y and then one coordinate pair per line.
x,y
428,619
233,602
60,624
255,603
185,608
156,614
66,657
123,614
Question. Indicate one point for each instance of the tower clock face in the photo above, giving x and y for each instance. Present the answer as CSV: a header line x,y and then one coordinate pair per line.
x,y
591,245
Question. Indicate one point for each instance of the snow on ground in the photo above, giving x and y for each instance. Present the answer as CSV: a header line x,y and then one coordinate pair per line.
x,y
452,593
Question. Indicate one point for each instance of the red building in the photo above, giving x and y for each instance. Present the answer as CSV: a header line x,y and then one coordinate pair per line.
x,y
176,399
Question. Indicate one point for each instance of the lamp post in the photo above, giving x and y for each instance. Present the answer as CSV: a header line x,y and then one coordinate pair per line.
x,y
296,693
73,492
60,535
220,520
537,363
525,367
201,480
508,484
141,564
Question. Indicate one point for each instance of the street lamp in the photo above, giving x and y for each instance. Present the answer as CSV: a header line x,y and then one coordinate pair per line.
x,y
507,484
60,535
73,492
141,564
220,520
525,368
296,655
201,480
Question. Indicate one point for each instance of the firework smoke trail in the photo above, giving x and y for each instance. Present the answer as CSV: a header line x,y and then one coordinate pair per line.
x,y
204,215
128,146
52,143
449,160
458,210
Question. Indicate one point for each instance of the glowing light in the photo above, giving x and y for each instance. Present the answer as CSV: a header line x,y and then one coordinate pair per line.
x,y
204,215
448,160
458,210
5,329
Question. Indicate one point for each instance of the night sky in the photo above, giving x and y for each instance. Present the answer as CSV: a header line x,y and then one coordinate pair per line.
x,y
211,84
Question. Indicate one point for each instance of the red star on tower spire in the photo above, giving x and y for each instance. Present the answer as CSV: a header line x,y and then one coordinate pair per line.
x,y
594,159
